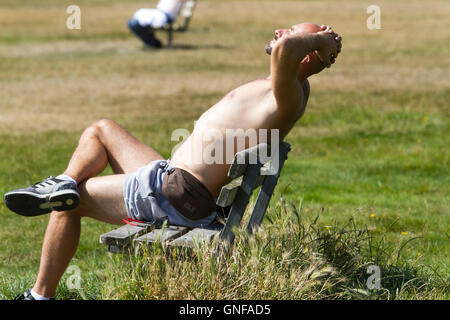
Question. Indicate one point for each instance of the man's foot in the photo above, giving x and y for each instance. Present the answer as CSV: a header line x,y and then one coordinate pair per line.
x,y
145,33
43,197
153,47
156,44
27,296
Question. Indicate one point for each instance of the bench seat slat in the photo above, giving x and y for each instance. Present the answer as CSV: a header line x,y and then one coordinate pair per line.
x,y
197,235
121,236
162,235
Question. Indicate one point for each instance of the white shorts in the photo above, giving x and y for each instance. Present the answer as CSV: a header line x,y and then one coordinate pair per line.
x,y
151,18
144,200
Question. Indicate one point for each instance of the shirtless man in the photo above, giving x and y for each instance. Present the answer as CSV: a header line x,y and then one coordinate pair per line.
x,y
147,187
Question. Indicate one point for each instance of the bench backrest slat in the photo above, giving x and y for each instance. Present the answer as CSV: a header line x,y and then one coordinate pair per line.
x,y
186,12
187,9
229,191
244,158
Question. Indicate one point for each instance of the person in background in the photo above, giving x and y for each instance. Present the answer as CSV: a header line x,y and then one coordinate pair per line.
x,y
144,21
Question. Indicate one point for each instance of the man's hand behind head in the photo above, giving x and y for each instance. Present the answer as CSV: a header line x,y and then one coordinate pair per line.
x,y
330,45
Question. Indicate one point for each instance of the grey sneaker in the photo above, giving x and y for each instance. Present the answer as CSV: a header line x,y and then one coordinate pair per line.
x,y
27,296
43,197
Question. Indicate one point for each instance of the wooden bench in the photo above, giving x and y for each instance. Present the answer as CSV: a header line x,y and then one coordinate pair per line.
x,y
181,23
246,175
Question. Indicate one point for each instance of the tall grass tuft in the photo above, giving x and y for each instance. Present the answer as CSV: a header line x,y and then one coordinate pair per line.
x,y
290,257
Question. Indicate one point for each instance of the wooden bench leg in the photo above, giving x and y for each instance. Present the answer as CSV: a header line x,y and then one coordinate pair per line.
x,y
170,35
266,192
238,208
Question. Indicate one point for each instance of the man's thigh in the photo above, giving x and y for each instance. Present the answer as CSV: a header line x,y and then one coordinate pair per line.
x,y
101,198
125,153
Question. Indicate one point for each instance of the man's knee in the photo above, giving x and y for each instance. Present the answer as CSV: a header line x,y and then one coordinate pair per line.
x,y
105,124
101,127
97,130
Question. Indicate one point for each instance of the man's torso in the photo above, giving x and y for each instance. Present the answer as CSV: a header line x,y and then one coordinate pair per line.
x,y
248,112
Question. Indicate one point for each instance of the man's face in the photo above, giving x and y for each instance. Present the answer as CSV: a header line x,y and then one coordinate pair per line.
x,y
279,33
312,61
306,27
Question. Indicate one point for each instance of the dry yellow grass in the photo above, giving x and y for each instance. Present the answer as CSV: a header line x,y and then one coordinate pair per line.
x,y
64,84
372,140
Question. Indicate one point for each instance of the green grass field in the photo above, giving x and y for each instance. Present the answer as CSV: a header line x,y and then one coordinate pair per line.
x,y
371,152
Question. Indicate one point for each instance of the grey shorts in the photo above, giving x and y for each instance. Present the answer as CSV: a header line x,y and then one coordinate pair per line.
x,y
144,200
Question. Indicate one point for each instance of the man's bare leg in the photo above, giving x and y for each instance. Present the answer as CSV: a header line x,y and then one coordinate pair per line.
x,y
101,198
106,142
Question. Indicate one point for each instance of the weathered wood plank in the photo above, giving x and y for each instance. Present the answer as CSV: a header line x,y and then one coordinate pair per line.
x,y
188,8
247,157
163,235
265,194
121,236
229,191
193,237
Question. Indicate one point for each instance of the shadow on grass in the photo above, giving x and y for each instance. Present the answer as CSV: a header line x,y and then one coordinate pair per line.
x,y
191,47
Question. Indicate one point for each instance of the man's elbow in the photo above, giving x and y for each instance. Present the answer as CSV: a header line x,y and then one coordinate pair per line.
x,y
282,47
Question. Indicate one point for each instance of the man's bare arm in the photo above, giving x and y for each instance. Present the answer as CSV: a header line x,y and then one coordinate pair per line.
x,y
286,56
285,65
